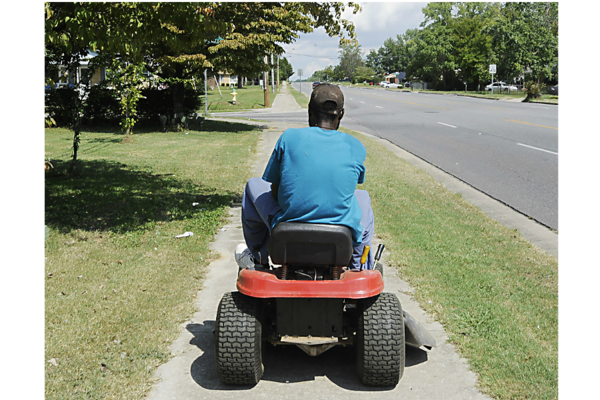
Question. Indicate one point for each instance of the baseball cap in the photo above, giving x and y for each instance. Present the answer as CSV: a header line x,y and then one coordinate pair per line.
x,y
327,98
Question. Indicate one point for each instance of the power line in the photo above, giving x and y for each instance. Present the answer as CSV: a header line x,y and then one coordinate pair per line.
x,y
306,55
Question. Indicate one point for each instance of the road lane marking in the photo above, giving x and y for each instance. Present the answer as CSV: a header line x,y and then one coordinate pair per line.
x,y
378,106
410,102
537,148
363,102
529,123
451,126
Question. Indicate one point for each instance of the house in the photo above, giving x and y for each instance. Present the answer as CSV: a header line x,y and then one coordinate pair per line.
x,y
62,79
396,77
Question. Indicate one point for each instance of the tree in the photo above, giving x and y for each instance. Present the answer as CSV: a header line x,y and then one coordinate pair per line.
x,y
285,69
364,73
350,59
473,45
434,46
525,35
177,41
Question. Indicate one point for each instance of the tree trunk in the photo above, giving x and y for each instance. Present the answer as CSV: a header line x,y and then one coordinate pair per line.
x,y
178,93
240,83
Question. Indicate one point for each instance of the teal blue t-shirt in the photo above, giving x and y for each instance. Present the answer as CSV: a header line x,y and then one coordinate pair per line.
x,y
317,171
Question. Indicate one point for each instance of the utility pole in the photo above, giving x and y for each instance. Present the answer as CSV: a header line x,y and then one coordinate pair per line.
x,y
266,83
277,71
205,96
272,72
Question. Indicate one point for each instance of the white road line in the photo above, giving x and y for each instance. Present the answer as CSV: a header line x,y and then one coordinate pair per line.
x,y
537,148
451,126
351,98
362,102
378,106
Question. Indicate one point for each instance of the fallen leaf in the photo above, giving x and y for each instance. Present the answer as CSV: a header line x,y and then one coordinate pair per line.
x,y
120,262
53,362
50,275
61,294
84,292
103,367
102,286
80,276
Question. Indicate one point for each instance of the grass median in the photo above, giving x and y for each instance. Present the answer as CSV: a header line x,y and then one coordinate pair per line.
x,y
495,294
300,98
118,284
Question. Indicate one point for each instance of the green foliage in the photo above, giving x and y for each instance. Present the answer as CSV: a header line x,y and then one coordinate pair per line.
x,y
533,90
127,80
457,41
350,60
285,69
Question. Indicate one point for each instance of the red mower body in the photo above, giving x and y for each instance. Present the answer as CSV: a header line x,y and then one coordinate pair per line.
x,y
351,285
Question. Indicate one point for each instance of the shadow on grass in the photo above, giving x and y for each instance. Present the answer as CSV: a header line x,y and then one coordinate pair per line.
x,y
109,196
149,126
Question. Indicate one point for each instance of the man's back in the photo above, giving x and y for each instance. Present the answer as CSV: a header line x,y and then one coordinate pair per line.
x,y
317,171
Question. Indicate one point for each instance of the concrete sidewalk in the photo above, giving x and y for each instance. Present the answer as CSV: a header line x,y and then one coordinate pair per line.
x,y
289,372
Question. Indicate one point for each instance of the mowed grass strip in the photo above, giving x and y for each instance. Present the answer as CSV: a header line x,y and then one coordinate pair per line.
x,y
248,97
300,98
118,284
495,294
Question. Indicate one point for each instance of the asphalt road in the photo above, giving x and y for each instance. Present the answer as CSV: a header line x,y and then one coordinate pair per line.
x,y
508,150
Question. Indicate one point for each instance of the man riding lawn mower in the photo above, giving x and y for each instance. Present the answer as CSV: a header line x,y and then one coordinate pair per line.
x,y
323,287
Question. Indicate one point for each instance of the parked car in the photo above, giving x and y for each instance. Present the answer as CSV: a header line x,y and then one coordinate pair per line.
x,y
500,86
390,85
407,85
383,83
315,84
553,90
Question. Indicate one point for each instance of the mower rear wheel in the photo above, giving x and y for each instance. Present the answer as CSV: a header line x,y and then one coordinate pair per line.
x,y
238,329
379,267
380,341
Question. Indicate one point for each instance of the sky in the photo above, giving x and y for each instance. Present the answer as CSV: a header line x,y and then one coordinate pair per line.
x,y
377,22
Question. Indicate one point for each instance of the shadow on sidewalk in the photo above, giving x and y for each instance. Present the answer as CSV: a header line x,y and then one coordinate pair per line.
x,y
288,364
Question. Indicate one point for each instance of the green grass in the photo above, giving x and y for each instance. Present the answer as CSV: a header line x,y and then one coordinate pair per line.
x,y
249,97
118,285
300,98
494,293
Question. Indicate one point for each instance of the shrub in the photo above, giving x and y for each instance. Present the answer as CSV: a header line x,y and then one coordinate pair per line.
x,y
102,106
533,90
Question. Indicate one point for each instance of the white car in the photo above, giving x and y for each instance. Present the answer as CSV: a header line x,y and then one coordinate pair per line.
x,y
391,85
500,86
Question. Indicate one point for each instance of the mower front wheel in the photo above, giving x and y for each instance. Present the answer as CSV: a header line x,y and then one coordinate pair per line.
x,y
380,341
238,330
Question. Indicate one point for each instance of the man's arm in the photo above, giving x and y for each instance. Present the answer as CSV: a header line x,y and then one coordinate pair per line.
x,y
275,190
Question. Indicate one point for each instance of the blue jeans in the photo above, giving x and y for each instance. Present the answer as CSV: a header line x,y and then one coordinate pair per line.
x,y
259,207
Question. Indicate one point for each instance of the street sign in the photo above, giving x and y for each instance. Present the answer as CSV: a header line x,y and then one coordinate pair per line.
x,y
300,72
492,71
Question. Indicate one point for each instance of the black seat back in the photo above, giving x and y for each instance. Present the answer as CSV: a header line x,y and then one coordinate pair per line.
x,y
297,243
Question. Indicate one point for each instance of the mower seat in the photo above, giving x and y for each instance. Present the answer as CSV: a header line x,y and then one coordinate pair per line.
x,y
298,243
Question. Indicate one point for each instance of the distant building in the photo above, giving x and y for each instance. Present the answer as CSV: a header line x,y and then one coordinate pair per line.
x,y
396,77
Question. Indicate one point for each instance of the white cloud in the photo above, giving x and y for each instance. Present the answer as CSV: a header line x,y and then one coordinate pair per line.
x,y
377,22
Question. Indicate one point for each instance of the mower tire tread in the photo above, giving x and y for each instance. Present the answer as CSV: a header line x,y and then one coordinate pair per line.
x,y
238,340
380,341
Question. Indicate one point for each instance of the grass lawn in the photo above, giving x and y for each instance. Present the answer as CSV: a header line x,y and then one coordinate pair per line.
x,y
248,97
118,285
495,294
